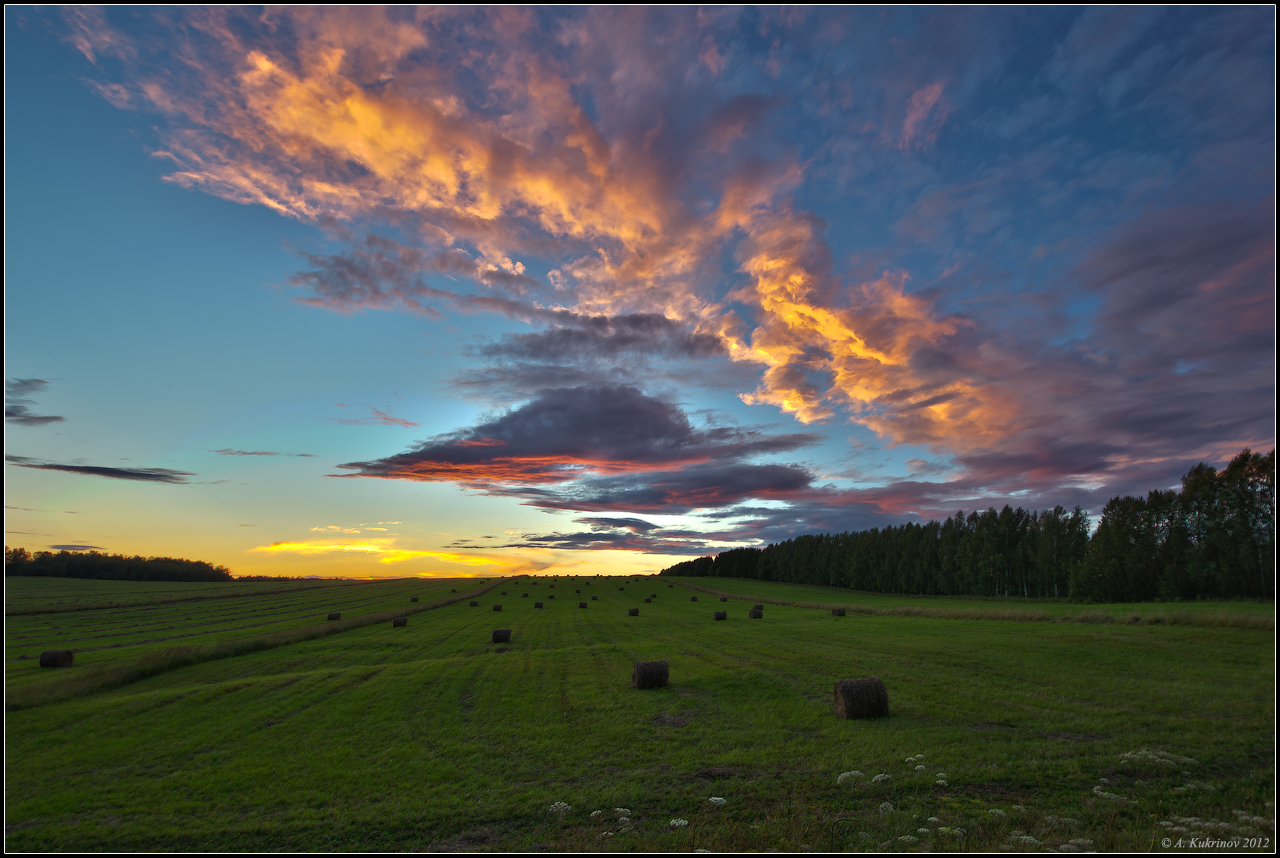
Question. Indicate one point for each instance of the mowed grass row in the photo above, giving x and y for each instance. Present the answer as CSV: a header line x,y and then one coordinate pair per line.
x,y
118,637
430,736
1246,614
45,595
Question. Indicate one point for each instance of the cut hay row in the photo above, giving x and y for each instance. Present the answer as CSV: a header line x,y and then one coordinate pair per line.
x,y
1021,615
79,684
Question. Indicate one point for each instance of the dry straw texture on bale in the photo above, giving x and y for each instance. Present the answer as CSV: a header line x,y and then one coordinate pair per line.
x,y
865,697
757,615
837,612
474,603
582,604
334,615
722,615
400,621
633,612
57,658
497,607
650,674
502,635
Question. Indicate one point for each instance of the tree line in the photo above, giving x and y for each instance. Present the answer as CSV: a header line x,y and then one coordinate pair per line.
x,y
1214,538
112,567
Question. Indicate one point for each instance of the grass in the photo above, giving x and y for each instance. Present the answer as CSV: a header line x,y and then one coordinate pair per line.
x,y
431,737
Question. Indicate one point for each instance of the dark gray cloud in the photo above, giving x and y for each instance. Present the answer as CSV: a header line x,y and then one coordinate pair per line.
x,y
565,434
149,475
77,547
227,451
16,399
608,338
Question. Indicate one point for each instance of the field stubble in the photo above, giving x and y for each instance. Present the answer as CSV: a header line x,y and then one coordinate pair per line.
x,y
1077,736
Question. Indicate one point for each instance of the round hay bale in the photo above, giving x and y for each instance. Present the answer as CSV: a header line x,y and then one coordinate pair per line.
x,y
474,603
837,612
504,592
497,607
502,635
650,674
593,598
633,612
671,586
757,615
577,591
415,598
722,615
582,604
552,596
334,615
865,697
537,604
454,590
724,598
653,595
399,621
57,658
621,590
551,586
693,598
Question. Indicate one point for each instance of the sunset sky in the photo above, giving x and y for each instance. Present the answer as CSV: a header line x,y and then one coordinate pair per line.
x,y
474,291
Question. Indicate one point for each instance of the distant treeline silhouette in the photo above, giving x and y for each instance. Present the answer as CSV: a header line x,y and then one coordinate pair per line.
x,y
1212,539
112,567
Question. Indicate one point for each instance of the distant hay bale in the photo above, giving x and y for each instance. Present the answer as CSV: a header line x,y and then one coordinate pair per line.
x,y
552,596
57,658
502,635
633,612
415,598
756,615
593,598
647,601
504,592
865,697
577,591
537,604
334,615
837,612
582,604
497,607
724,598
722,615
693,598
671,586
653,595
650,674
552,586
621,590
400,621
524,595
474,603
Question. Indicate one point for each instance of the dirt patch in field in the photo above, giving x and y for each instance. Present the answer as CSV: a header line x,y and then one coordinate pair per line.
x,y
715,773
468,841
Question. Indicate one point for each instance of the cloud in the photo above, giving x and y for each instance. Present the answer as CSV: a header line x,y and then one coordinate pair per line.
x,y
75,547
16,391
377,416
227,451
387,552
149,475
566,433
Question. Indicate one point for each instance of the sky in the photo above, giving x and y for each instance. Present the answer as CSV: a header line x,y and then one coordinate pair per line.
x,y
483,291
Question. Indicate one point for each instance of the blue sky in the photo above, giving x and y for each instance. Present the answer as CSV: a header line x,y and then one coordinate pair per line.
x,y
440,292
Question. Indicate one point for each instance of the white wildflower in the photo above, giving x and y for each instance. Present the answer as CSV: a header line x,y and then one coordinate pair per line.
x,y
560,807
907,838
1028,840
880,778
679,823
624,820
596,813
622,811
716,800
885,807
997,812
909,760
932,820
1019,808
920,768
942,776
603,834
939,783
922,831
1067,847
1081,842
846,776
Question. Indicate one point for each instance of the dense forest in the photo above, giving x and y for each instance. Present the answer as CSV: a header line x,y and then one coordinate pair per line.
x,y
114,567
1214,538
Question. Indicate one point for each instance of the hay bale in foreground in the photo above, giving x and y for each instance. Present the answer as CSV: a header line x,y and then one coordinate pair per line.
x,y
837,612
722,615
502,635
633,612
865,697
57,658
399,621
537,604
474,603
334,615
650,674
497,607
415,598
582,604
756,615
757,607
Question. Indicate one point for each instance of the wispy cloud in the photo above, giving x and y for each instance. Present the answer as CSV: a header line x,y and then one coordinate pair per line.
x,y
16,399
377,416
148,475
227,451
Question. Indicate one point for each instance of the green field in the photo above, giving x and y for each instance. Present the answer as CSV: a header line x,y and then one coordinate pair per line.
x,y
1050,735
